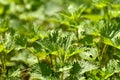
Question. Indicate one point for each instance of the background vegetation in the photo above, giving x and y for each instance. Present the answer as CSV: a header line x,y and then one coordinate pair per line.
x,y
59,40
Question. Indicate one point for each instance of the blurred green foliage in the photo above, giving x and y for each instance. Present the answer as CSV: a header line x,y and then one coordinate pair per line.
x,y
44,12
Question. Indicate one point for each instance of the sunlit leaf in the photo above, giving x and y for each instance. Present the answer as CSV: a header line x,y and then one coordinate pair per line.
x,y
85,66
42,55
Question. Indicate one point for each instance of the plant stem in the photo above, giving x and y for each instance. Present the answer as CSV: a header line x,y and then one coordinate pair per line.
x,y
104,49
61,76
3,61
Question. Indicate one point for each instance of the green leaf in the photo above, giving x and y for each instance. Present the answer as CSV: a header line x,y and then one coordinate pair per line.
x,y
76,68
86,66
112,67
89,54
20,40
108,41
42,55
77,52
65,68
45,69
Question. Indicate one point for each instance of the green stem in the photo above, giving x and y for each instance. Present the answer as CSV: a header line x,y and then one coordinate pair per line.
x,y
61,76
101,56
77,34
104,49
3,61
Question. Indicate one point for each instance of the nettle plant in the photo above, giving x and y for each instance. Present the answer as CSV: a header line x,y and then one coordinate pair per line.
x,y
101,36
27,53
81,50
